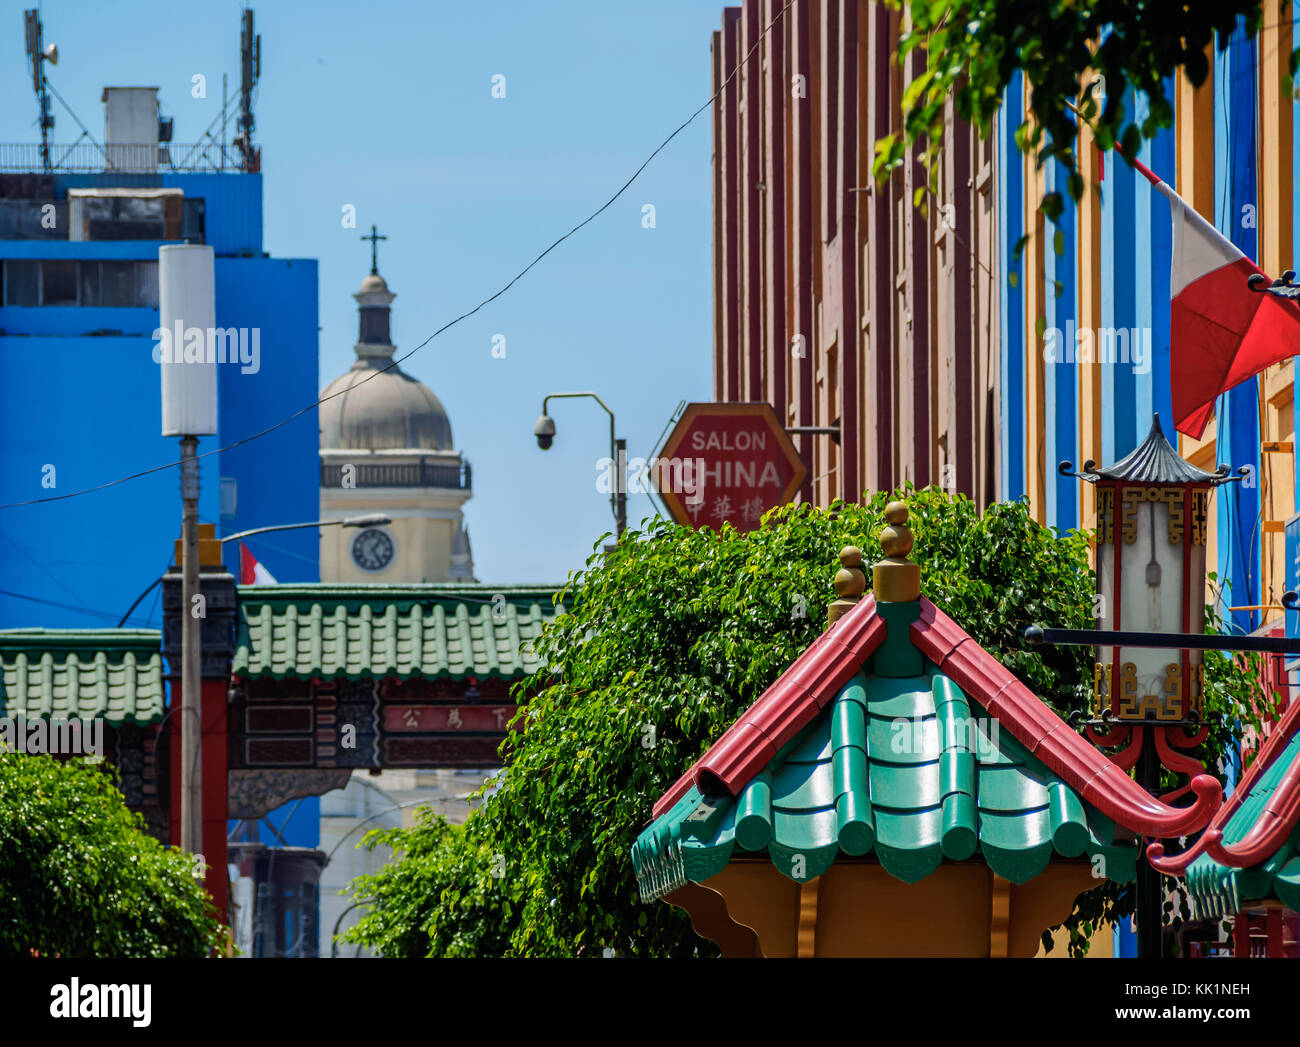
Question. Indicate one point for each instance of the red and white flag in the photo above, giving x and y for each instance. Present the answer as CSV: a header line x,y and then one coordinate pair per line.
x,y
1220,331
251,572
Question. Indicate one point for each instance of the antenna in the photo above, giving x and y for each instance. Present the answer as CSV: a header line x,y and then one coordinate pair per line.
x,y
38,54
250,66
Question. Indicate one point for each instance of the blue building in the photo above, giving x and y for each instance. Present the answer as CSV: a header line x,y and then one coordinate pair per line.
x,y
79,388
80,403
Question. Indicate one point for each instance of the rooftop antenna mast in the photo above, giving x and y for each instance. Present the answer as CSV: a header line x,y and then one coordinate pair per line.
x,y
250,71
38,54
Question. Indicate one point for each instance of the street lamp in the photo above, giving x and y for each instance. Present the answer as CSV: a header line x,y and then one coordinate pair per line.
x,y
1148,694
372,520
544,430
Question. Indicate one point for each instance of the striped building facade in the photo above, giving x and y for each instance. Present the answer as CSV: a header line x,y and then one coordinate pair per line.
x,y
921,334
1104,268
837,301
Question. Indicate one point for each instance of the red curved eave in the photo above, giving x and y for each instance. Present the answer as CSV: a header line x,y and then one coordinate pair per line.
x,y
785,708
1098,780
1271,829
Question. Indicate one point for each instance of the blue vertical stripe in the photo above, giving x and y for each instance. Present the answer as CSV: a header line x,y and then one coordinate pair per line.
x,y
1012,313
1292,262
1236,156
1130,266
1161,155
1121,271
1061,384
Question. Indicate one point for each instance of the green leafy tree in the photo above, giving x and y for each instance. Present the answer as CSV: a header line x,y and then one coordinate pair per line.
x,y
667,640
1067,52
446,896
79,877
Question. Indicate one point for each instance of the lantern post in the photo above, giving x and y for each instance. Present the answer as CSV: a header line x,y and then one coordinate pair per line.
x,y
1148,699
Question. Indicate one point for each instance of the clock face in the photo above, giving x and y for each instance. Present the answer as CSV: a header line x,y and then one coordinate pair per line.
x,y
372,549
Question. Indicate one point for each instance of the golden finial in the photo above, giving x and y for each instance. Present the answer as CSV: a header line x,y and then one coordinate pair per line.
x,y
850,583
894,579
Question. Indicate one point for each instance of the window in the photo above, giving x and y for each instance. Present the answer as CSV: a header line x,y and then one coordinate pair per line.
x,y
146,285
116,283
58,283
88,274
65,282
22,282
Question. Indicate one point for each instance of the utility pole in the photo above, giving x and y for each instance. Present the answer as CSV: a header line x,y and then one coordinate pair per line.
x,y
191,653
1149,908
620,485
186,305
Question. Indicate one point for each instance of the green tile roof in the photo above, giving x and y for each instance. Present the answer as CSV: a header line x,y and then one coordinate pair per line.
x,y
1217,889
907,770
58,674
330,631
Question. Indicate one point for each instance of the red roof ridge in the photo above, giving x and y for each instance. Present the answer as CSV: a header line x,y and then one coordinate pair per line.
x,y
1275,823
785,708
1098,780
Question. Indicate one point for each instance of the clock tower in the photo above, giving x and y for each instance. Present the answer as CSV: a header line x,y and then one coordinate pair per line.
x,y
386,447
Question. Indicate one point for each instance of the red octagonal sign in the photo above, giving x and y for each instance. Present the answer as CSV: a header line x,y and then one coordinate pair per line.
x,y
727,463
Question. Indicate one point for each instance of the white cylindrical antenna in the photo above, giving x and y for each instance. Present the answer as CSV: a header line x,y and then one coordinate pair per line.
x,y
184,342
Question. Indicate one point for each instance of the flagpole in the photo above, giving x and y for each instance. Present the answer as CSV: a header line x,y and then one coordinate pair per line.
x,y
1141,168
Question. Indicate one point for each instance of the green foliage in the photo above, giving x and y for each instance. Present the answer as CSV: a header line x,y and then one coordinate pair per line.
x,y
80,878
667,640
442,898
972,48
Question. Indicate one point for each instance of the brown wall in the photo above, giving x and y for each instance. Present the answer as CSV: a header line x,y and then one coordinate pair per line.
x,y
835,299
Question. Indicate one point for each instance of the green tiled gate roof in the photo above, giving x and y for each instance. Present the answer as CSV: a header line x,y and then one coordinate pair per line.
x,y
905,769
1217,889
328,631
82,673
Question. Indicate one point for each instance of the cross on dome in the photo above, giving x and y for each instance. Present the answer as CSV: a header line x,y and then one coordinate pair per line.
x,y
374,239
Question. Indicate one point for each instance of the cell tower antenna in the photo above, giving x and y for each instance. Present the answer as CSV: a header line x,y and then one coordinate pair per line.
x,y
38,54
250,71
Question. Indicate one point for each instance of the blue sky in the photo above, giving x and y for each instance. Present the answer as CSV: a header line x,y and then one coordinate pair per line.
x,y
388,106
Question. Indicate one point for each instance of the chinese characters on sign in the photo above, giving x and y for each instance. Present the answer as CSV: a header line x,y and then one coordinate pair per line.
x,y
727,463
438,718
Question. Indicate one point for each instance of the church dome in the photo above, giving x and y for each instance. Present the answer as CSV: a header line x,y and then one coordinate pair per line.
x,y
382,411
378,409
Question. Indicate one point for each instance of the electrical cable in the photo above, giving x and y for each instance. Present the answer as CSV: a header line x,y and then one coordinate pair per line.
x,y
107,616
463,316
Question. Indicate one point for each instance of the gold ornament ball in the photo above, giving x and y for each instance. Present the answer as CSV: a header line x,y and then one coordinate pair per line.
x,y
896,541
896,513
851,556
850,581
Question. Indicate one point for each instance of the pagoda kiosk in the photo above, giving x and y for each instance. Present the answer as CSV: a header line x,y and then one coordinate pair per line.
x,y
897,792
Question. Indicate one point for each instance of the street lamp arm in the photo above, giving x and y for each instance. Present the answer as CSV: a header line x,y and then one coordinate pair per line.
x,y
570,396
373,520
618,500
566,396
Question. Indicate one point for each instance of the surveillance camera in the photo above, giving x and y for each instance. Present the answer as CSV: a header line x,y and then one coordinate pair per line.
x,y
544,430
